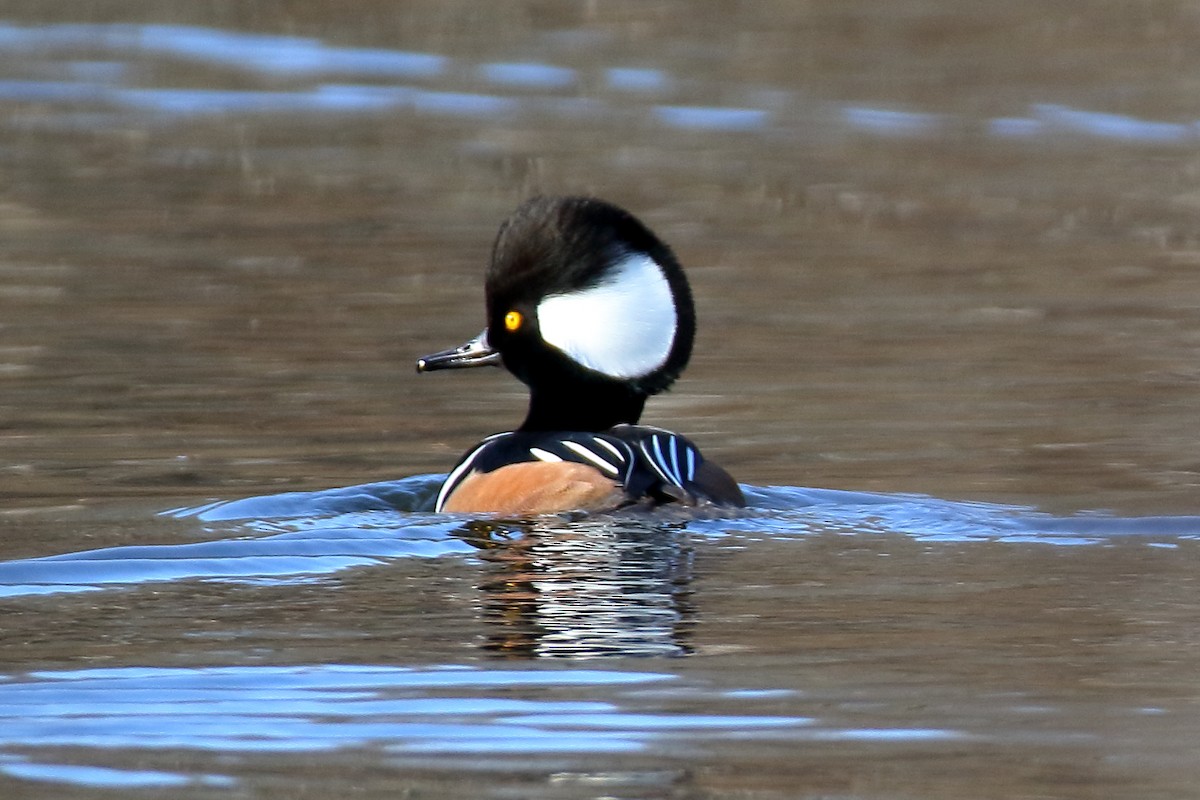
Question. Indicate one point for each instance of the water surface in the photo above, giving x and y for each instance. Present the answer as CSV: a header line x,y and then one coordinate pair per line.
x,y
945,263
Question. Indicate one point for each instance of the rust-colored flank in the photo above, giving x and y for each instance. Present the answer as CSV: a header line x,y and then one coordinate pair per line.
x,y
530,488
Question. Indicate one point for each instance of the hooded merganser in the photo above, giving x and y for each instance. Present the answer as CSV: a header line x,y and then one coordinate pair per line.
x,y
593,313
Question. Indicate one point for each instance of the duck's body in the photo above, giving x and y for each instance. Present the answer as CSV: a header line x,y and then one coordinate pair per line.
x,y
590,310
538,472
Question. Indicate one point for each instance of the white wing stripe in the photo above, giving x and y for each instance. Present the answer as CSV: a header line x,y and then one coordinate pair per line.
x,y
660,462
656,462
675,445
612,448
691,464
595,458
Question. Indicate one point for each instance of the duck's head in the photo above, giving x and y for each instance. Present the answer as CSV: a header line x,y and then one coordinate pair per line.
x,y
587,307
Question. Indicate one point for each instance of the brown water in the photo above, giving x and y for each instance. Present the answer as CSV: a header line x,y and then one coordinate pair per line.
x,y
941,248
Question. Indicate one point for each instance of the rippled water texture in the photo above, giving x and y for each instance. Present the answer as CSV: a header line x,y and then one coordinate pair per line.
x,y
945,259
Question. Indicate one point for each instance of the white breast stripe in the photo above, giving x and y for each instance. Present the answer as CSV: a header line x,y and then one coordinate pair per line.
x,y
457,475
543,455
594,458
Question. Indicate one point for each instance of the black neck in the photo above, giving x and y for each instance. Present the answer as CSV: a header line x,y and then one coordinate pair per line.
x,y
596,407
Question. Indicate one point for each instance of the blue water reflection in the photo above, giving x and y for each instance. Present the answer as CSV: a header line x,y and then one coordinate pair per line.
x,y
632,79
108,777
444,710
365,540
272,54
327,706
710,118
352,80
529,75
887,122
296,536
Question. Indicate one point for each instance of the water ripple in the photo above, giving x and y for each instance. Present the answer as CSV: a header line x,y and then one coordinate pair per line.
x,y
327,706
108,777
297,536
393,81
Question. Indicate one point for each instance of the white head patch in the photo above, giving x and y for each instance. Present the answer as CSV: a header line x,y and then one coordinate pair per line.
x,y
623,327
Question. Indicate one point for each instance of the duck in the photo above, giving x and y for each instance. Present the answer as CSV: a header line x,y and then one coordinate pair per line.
x,y
593,313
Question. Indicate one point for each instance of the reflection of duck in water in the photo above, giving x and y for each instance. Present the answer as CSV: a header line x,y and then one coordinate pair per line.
x,y
603,586
591,310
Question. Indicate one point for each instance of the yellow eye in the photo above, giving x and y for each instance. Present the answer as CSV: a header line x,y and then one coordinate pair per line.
x,y
513,320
